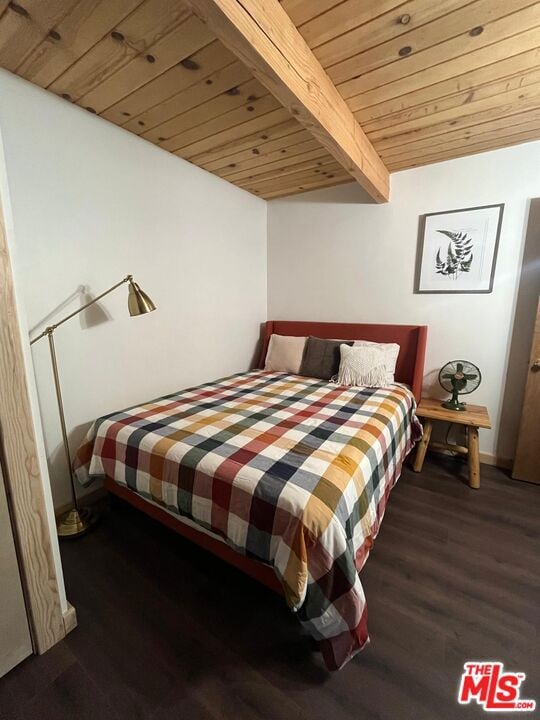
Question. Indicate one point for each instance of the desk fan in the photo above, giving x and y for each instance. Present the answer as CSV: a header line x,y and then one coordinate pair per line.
x,y
459,377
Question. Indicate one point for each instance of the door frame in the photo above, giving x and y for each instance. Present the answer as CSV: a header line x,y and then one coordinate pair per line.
x,y
43,590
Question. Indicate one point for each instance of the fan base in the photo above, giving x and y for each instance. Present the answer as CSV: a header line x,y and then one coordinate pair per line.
x,y
453,405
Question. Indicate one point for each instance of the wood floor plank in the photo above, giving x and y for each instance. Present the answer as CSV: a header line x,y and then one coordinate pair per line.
x,y
167,630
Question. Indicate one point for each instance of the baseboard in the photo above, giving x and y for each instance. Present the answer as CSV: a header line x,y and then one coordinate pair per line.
x,y
489,459
70,618
486,458
90,498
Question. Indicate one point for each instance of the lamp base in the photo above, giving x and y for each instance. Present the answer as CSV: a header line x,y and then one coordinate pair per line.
x,y
75,523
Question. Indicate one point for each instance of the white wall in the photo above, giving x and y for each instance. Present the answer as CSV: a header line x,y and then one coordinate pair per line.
x,y
332,257
92,203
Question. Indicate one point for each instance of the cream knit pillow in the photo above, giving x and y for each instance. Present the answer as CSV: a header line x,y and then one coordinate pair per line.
x,y
362,366
391,352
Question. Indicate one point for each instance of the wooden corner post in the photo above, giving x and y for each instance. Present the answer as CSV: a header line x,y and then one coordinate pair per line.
x,y
18,454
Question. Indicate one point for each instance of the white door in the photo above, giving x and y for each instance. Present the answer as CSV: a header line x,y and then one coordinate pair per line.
x,y
15,642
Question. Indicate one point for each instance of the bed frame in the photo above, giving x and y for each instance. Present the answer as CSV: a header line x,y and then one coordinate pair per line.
x,y
410,338
409,370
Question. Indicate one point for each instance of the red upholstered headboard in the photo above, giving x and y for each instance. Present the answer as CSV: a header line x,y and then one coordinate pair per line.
x,y
411,339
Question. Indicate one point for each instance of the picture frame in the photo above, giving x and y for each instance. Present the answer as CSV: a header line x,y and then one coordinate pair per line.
x,y
457,251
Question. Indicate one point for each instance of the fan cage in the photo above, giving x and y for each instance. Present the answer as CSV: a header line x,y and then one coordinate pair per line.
x,y
451,366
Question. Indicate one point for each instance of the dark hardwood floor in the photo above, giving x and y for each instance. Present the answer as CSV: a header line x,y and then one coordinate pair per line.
x,y
167,631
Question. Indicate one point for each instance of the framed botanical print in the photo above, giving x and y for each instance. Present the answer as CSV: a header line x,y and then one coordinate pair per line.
x,y
458,250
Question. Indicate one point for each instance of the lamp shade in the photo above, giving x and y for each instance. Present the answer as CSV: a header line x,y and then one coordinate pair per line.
x,y
138,301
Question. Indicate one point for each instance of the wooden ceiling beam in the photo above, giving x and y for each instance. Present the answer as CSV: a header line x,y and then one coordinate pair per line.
x,y
265,39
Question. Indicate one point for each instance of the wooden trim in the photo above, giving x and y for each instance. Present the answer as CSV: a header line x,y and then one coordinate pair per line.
x,y
69,617
496,461
22,473
266,40
526,461
485,458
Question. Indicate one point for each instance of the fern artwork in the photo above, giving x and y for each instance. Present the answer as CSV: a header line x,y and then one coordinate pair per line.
x,y
458,250
459,255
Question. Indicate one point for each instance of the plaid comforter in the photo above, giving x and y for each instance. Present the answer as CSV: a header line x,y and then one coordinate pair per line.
x,y
292,471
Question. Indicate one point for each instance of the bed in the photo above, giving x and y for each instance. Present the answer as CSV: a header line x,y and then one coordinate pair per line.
x,y
285,477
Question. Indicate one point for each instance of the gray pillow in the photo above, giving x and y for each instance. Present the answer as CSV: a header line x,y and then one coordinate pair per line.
x,y
321,358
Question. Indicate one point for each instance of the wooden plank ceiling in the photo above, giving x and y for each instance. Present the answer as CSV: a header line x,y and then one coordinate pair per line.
x,y
426,81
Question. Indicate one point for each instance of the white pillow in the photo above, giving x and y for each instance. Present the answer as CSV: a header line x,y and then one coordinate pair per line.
x,y
363,366
285,353
391,352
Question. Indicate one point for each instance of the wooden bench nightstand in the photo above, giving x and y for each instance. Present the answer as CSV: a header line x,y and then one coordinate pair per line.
x,y
474,417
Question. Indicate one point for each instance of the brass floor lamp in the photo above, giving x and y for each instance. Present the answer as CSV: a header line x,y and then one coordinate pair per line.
x,y
79,519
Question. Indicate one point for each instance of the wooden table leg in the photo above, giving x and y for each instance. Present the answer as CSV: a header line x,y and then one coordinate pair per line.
x,y
474,457
423,446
